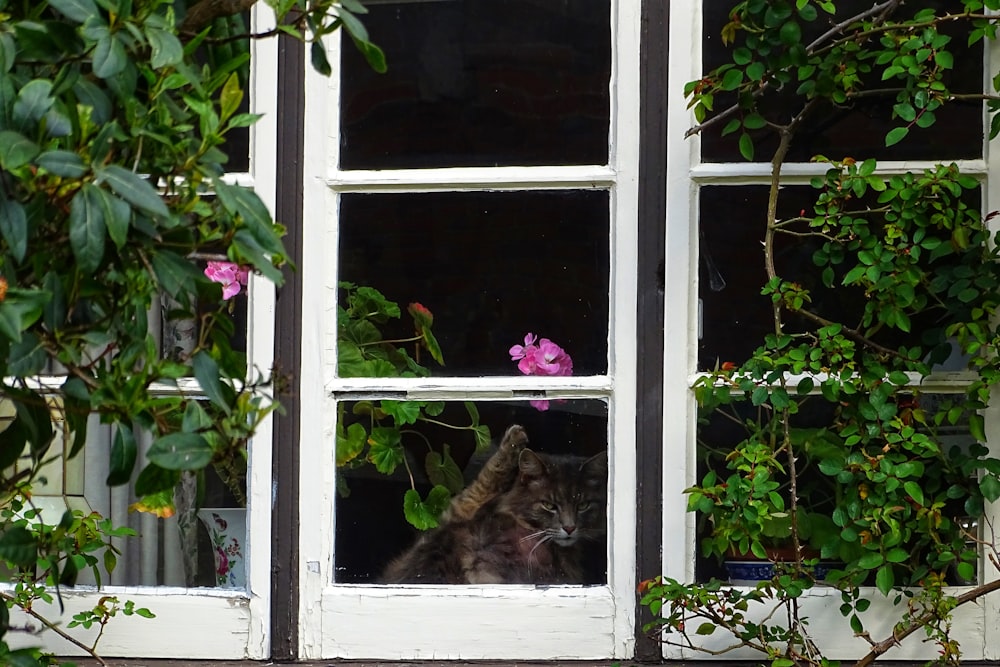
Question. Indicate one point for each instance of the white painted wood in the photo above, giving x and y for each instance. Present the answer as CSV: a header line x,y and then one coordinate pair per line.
x,y
499,622
821,606
200,622
472,178
991,202
681,299
974,623
565,622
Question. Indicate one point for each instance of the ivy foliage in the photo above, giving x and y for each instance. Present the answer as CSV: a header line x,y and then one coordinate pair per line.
x,y
843,454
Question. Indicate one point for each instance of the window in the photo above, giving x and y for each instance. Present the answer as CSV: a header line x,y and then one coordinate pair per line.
x,y
490,178
165,568
714,199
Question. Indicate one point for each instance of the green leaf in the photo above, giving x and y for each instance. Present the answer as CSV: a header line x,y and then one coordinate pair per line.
x,y
746,146
896,135
134,189
123,455
176,274
86,228
385,450
897,555
181,451
27,357
350,443
206,371
166,48
16,150
18,546
705,628
14,228
247,204
402,412
231,96
790,33
915,492
442,469
423,514
374,56
62,163
117,216
109,56
249,249
33,101
977,426
732,79
885,579
153,479
320,63
76,10
989,485
871,560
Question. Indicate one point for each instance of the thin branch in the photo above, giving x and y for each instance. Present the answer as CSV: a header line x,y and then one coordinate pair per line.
x,y
878,648
56,629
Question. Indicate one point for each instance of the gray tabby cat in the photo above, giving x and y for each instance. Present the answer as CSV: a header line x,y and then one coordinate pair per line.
x,y
524,520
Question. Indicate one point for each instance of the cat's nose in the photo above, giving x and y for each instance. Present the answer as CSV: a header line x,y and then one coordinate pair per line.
x,y
569,529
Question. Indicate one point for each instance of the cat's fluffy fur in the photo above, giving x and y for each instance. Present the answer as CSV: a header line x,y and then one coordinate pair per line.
x,y
524,519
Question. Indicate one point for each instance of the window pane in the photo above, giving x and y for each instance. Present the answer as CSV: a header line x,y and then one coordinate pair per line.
x,y
857,129
500,537
479,83
491,267
735,317
816,428
201,541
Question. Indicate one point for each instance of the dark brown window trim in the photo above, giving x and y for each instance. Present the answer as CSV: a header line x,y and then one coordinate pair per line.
x,y
288,354
649,347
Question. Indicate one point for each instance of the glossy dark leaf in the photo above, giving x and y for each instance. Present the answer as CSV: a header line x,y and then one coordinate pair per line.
x,y
181,451
134,189
123,456
14,228
87,231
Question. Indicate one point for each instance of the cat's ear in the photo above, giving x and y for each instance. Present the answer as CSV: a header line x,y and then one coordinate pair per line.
x,y
531,465
596,468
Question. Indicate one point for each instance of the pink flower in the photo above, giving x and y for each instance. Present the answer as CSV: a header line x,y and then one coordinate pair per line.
x,y
222,562
230,275
541,357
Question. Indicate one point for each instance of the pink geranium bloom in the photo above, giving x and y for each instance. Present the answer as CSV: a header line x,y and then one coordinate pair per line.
x,y
230,275
541,357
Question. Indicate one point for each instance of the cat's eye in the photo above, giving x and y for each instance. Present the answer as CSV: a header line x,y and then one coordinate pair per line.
x,y
582,507
548,507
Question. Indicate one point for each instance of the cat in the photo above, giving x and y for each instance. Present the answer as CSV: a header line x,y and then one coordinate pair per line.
x,y
525,519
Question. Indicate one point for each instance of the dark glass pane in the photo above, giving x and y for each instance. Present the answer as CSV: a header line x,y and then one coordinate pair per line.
x,y
479,83
491,267
372,530
858,129
735,317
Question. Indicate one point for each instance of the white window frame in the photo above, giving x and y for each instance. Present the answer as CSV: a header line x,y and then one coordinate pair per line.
x,y
205,623
973,623
466,622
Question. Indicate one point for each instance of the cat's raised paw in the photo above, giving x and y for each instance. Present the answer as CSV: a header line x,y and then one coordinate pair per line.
x,y
514,440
